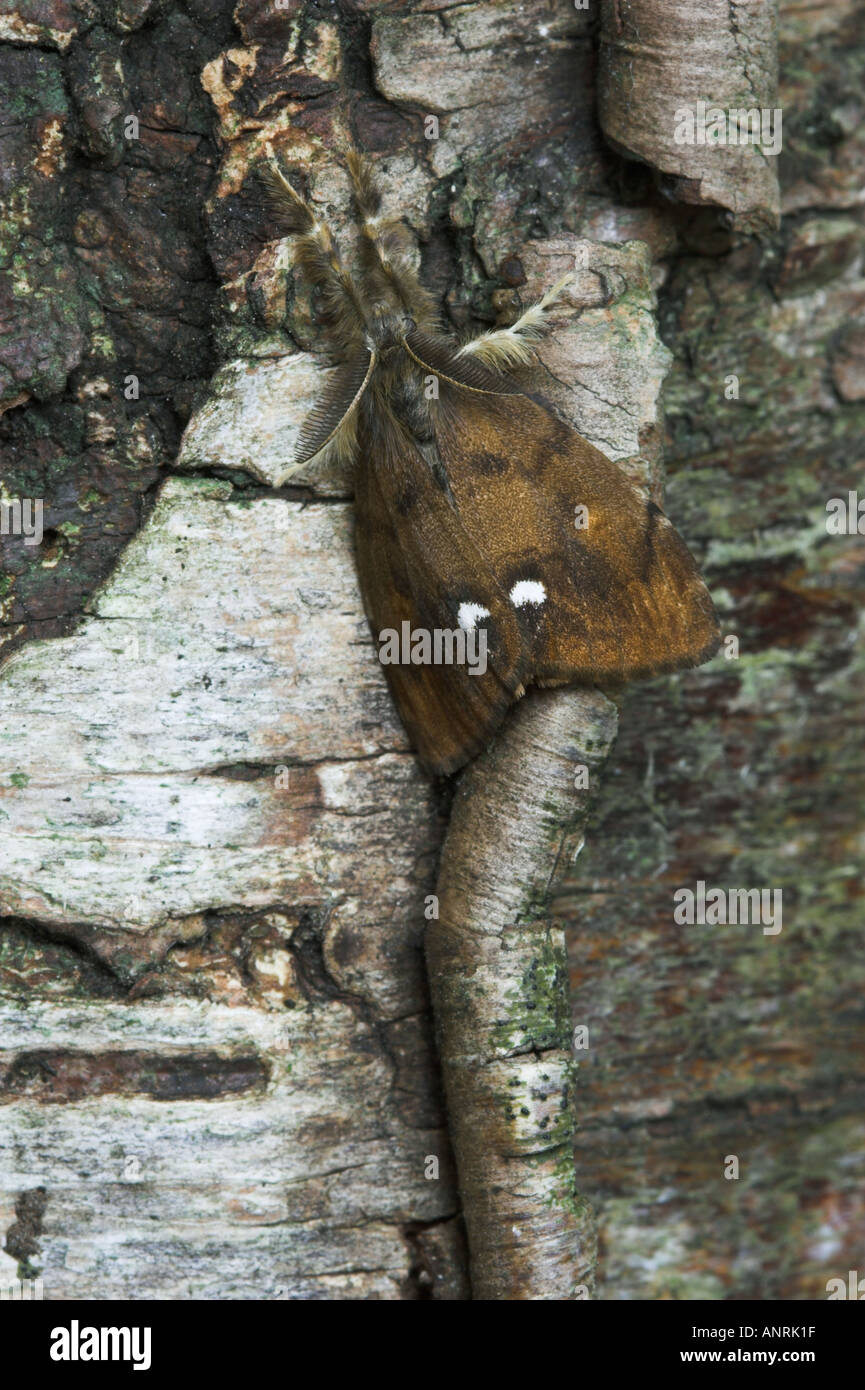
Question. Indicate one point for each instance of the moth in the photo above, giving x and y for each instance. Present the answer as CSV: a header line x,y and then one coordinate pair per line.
x,y
468,493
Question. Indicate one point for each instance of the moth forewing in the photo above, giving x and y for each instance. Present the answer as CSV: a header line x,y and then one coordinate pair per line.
x,y
418,566
623,597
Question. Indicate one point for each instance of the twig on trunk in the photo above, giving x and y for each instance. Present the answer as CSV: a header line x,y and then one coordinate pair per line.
x,y
498,976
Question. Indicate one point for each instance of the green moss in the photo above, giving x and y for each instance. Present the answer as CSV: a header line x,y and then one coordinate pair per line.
x,y
565,1196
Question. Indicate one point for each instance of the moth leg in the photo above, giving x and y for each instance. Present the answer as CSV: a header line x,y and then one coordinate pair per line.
x,y
386,247
512,347
345,308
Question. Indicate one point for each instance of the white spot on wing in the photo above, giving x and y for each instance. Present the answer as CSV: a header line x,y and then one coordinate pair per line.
x,y
470,614
527,591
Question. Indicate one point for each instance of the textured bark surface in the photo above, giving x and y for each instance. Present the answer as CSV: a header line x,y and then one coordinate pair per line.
x,y
498,977
659,58
218,1077
711,1041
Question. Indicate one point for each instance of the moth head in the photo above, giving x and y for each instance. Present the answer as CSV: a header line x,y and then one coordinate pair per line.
x,y
388,324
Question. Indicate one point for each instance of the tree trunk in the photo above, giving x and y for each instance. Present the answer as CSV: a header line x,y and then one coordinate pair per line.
x,y
220,863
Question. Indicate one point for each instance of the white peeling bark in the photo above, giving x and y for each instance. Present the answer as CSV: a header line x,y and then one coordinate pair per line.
x,y
499,980
658,57
215,744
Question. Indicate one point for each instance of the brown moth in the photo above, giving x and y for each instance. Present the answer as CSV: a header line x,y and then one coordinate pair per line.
x,y
467,491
